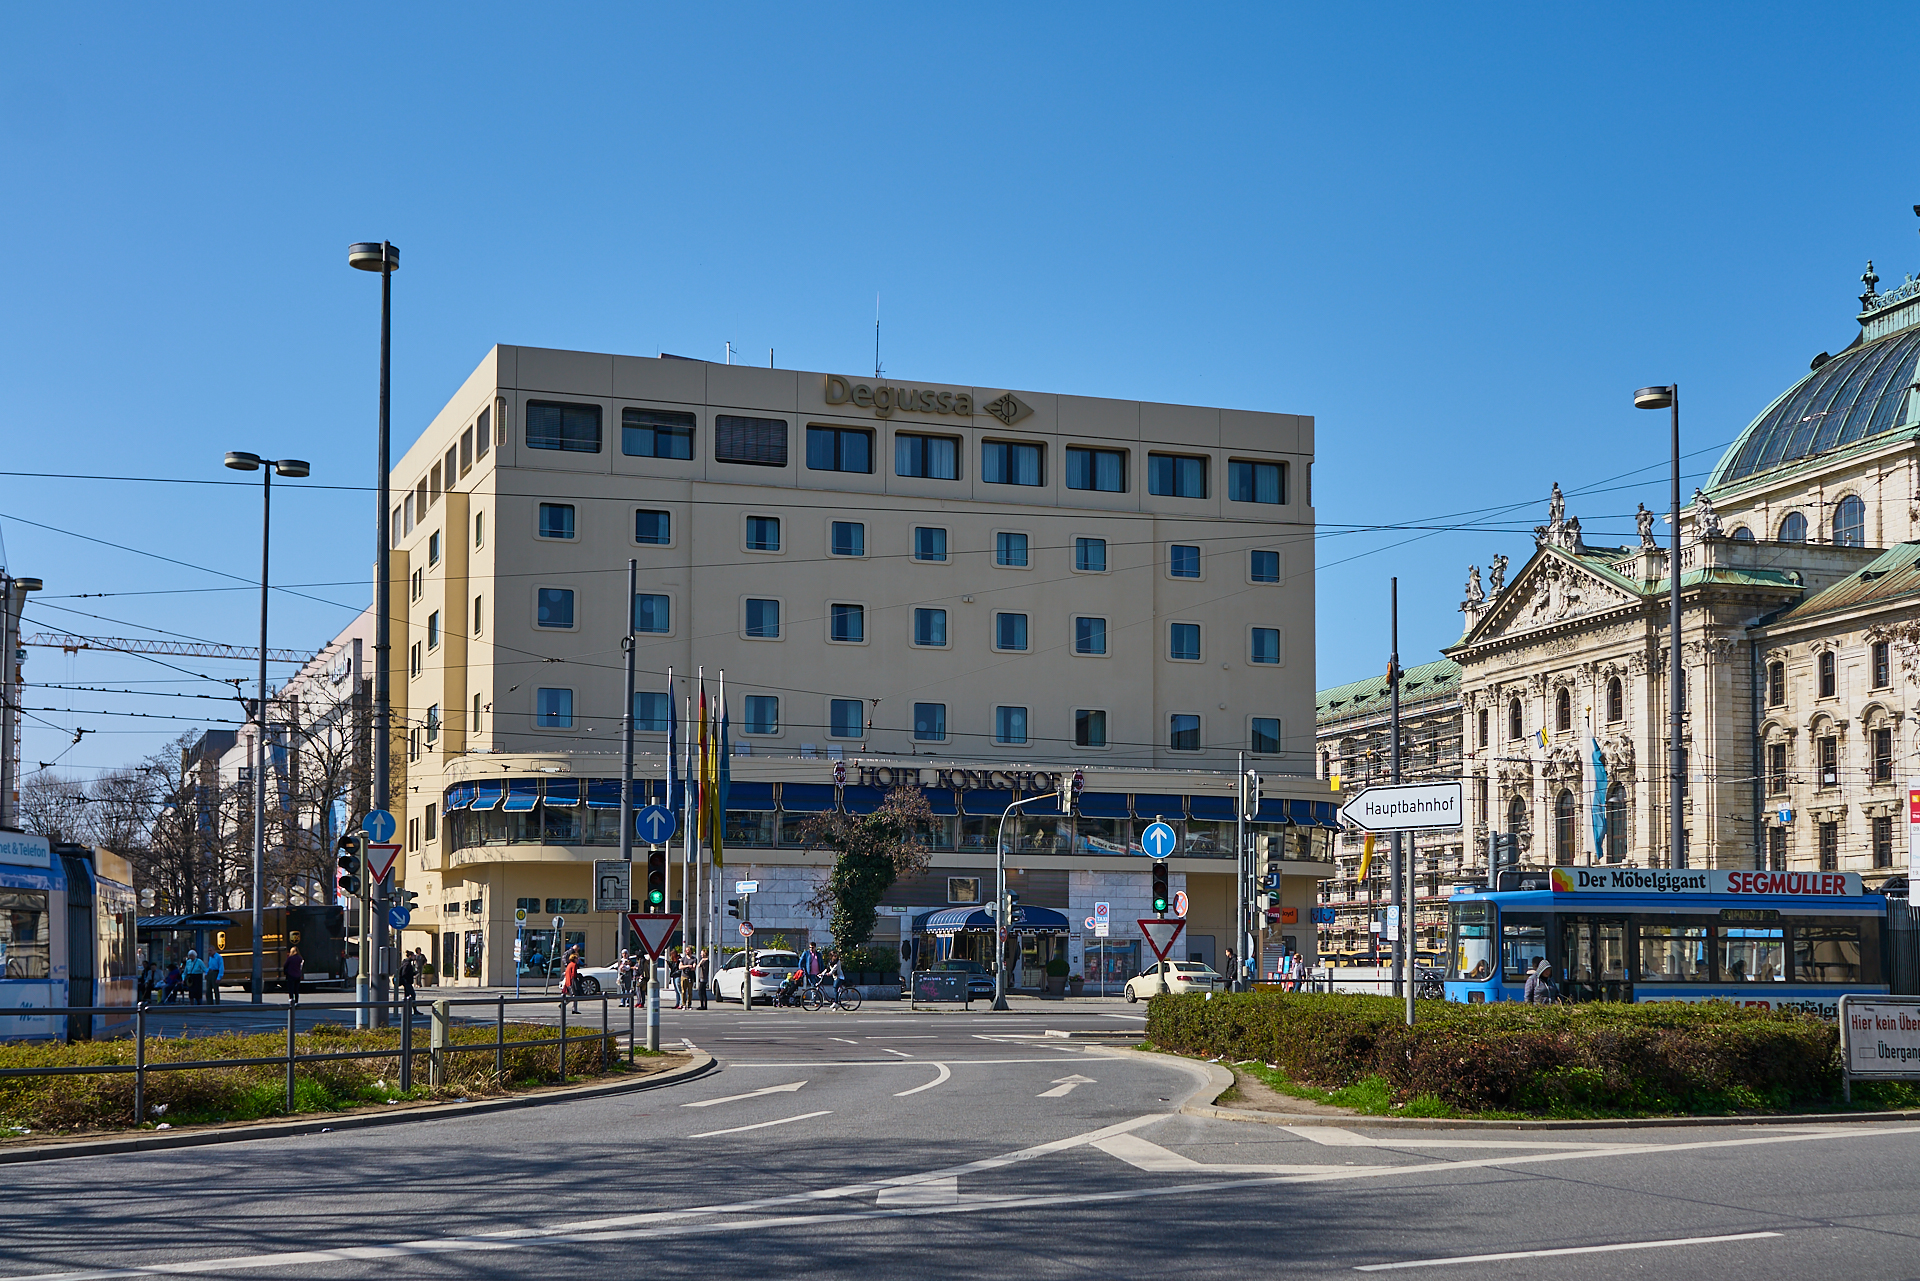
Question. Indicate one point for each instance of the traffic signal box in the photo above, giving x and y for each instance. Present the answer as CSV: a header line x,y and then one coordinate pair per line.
x,y
657,881
353,849
1160,897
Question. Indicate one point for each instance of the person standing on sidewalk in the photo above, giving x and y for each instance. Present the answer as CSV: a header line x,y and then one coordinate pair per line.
x,y
295,970
408,975
216,970
196,976
570,980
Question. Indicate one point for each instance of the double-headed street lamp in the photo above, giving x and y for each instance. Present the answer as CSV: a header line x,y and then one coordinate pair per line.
x,y
1668,397
384,257
292,468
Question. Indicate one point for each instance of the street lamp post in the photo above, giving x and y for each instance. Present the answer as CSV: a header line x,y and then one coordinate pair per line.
x,y
1668,397
292,468
384,258
1000,910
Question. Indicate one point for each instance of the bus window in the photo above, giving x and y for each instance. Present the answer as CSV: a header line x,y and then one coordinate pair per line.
x,y
1523,941
1826,953
1472,941
23,934
1752,955
1673,954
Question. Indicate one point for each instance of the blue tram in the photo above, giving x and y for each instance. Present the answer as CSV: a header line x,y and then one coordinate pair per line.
x,y
67,938
1773,940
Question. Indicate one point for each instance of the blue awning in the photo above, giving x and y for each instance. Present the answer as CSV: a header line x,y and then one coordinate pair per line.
x,y
486,795
563,791
604,793
522,794
1151,805
806,798
457,798
750,796
1026,920
982,802
940,800
861,800
1314,814
1104,805
1049,808
1272,810
1212,809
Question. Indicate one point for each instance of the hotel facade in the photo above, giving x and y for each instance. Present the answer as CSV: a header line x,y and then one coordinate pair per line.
x,y
973,588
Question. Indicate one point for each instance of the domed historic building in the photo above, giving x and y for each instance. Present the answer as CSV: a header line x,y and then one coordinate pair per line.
x,y
1800,635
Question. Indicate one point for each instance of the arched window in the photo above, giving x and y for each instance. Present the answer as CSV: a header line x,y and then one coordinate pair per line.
x,y
1742,535
1617,823
1794,528
1563,711
1827,683
1616,701
1517,814
1776,684
1850,522
1563,828
1514,729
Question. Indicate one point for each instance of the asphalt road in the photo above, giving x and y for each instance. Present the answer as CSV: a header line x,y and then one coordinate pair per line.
x,y
884,1143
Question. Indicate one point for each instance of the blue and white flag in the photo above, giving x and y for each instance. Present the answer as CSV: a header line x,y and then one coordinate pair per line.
x,y
1599,800
673,739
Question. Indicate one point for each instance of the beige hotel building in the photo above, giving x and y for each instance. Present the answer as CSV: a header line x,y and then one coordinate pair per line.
x,y
978,587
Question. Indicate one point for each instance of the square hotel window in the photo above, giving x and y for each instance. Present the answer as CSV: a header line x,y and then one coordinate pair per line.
x,y
930,722
1266,645
763,714
554,607
846,718
656,433
849,538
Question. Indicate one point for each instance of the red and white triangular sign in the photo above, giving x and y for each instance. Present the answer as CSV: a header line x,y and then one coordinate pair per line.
x,y
1161,934
380,861
654,929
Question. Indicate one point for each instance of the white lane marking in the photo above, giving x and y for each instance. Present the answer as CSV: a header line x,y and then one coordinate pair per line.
x,y
887,1050
690,1045
933,1192
1334,1137
1577,1249
1065,1085
809,1063
1143,1154
741,1129
788,1088
843,1040
916,1037
946,1073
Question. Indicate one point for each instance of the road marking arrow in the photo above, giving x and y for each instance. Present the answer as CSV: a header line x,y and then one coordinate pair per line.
x,y
788,1088
1064,1086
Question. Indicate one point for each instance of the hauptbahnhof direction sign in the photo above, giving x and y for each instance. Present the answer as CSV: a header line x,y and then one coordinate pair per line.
x,y
1406,807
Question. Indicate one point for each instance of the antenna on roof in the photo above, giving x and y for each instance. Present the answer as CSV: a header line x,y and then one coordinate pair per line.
x,y
876,335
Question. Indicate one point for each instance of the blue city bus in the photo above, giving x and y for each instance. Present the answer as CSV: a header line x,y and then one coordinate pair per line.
x,y
1770,940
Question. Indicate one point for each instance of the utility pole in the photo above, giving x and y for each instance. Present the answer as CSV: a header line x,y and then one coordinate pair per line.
x,y
13,599
1240,876
626,792
1401,971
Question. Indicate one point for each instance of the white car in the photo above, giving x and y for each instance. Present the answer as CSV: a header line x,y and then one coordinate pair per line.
x,y
770,970
1175,977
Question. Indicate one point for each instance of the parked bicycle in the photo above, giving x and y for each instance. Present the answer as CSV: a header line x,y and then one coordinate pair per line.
x,y
842,996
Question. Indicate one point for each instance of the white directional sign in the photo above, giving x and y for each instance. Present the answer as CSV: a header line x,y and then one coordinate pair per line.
x,y
746,887
1064,1085
1405,807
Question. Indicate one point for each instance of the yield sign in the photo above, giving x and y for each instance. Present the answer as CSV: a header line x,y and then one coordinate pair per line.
x,y
1161,934
654,929
380,860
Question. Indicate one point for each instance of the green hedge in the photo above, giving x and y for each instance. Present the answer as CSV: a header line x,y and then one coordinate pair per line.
x,y
190,1095
1569,1060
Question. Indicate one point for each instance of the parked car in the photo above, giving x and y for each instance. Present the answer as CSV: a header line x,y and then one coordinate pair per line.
x,y
979,979
770,970
1175,977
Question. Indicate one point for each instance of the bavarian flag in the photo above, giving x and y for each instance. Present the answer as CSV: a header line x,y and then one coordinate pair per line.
x,y
1366,857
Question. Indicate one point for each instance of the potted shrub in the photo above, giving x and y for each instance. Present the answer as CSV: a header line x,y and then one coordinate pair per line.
x,y
1075,984
1057,975
428,975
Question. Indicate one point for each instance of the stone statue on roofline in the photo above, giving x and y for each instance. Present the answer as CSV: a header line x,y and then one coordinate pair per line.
x,y
1497,575
1475,596
1558,531
1643,520
1705,518
1556,506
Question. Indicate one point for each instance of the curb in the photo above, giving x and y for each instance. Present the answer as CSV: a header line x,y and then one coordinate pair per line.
x,y
316,1123
1360,1119
1214,1079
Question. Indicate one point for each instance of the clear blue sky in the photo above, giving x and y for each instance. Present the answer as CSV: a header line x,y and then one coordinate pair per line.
x,y
1459,236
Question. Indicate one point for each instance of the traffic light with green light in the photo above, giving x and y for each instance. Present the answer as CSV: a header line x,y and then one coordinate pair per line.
x,y
1160,899
656,899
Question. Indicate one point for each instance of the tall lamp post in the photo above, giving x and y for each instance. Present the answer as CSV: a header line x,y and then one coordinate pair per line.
x,y
1668,397
384,258
292,468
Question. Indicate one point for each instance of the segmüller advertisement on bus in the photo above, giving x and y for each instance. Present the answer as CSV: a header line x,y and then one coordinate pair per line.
x,y
1667,880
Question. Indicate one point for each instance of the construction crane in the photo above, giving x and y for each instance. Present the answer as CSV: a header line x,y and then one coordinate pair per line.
x,y
181,649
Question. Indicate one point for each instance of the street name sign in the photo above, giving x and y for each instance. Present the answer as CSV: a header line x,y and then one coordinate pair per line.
x,y
1405,807
380,860
655,824
1161,933
379,826
1159,840
654,929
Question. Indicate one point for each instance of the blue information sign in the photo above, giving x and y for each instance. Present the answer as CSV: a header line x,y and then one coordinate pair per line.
x,y
1159,840
379,826
398,915
655,824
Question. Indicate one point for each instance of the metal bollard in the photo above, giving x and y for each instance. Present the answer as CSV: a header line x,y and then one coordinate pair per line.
x,y
563,1042
631,1007
139,1064
653,1007
500,1042
293,1012
406,1047
437,1039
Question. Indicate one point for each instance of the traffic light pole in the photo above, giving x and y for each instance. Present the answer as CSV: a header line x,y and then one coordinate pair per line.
x,y
1240,876
1000,912
626,756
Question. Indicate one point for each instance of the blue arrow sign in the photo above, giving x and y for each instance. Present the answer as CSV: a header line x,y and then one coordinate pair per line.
x,y
1159,840
379,826
655,824
398,915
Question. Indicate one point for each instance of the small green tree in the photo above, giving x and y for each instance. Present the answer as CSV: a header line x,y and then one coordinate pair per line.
x,y
872,852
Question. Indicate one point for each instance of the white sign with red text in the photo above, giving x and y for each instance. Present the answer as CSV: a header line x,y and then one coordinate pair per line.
x,y
1667,880
1880,1036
